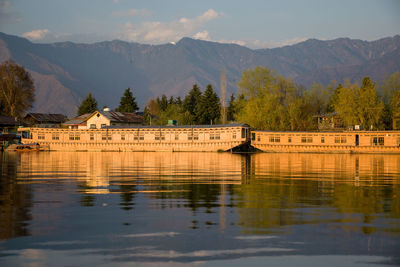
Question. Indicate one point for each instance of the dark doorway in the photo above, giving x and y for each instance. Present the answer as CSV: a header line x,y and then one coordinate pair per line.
x,y
357,140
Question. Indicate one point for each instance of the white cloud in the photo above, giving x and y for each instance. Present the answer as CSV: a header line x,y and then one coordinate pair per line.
x,y
36,34
163,32
131,13
204,35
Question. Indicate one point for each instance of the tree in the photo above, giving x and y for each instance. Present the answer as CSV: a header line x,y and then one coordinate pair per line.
x,y
88,105
208,109
163,102
190,101
17,90
369,107
128,102
230,114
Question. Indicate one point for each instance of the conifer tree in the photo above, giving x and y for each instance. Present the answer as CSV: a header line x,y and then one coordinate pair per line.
x,y
128,102
191,100
88,105
208,110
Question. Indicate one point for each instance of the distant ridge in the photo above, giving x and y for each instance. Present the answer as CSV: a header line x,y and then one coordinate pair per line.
x,y
65,72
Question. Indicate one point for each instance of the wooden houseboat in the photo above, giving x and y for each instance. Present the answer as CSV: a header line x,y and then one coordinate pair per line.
x,y
140,138
335,141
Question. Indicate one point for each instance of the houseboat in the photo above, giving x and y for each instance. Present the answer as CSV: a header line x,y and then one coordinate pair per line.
x,y
205,138
334,141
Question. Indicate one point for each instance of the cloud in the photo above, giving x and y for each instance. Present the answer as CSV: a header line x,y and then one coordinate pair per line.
x,y
131,13
164,32
204,35
37,34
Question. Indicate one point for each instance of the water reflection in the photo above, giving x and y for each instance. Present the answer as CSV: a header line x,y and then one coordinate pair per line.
x,y
191,207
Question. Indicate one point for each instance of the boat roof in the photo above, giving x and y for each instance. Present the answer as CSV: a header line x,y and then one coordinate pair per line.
x,y
177,126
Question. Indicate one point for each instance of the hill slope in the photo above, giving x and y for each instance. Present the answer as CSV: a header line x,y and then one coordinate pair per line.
x,y
64,73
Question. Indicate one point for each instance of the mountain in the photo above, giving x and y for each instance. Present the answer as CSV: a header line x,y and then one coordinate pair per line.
x,y
65,73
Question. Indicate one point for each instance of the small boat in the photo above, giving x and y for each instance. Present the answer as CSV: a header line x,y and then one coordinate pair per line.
x,y
26,147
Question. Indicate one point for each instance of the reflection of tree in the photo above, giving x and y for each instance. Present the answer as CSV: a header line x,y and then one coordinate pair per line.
x,y
15,200
289,189
87,200
127,196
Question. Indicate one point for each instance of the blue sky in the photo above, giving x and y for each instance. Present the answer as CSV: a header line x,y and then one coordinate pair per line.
x,y
253,23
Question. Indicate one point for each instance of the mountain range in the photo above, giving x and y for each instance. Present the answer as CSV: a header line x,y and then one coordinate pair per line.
x,y
64,73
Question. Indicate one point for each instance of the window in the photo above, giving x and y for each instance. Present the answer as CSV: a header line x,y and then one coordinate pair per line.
x,y
77,137
71,137
258,138
217,136
306,139
212,136
253,136
106,136
55,136
176,136
340,139
322,140
289,139
40,136
234,135
92,126
196,136
381,141
123,137
91,137
103,125
274,139
141,136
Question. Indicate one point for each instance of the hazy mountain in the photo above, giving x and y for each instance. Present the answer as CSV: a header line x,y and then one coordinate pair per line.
x,y
64,73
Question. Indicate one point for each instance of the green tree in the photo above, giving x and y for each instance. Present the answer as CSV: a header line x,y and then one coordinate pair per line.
x,y
128,102
271,102
163,102
17,91
230,114
208,110
369,108
88,105
191,100
345,103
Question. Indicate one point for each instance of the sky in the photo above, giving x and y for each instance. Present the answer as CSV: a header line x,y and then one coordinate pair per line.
x,y
251,23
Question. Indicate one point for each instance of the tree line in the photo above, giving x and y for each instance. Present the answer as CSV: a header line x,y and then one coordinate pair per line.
x,y
265,100
268,101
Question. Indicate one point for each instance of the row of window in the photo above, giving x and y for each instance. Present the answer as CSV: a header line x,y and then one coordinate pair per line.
x,y
105,136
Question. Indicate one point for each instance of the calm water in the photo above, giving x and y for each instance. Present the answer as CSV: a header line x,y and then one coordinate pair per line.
x,y
206,209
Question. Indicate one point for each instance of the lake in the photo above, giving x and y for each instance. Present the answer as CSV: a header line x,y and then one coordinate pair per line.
x,y
203,209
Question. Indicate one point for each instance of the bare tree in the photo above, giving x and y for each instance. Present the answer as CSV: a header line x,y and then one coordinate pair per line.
x,y
17,91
